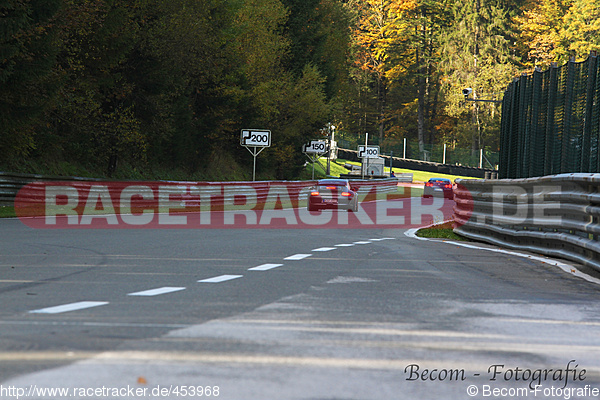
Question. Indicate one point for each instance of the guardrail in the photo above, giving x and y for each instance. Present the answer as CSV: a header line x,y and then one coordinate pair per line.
x,y
12,183
555,215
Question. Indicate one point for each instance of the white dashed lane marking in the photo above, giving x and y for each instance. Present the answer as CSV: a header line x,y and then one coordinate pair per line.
x,y
298,257
265,267
69,307
220,278
158,291
324,249
217,279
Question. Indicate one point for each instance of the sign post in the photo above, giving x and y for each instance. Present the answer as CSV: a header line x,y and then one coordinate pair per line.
x,y
313,151
365,152
258,140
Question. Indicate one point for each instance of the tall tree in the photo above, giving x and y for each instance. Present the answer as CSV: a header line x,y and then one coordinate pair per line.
x,y
430,17
28,49
478,54
192,44
580,31
540,30
399,46
93,120
380,30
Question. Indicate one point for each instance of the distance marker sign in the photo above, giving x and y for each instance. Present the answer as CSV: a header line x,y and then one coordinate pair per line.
x,y
255,138
316,147
370,152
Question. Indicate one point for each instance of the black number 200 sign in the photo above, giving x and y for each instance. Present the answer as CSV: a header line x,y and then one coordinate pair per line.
x,y
258,138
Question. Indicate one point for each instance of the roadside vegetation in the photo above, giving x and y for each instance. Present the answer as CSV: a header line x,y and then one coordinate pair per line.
x,y
337,168
441,231
160,89
7,212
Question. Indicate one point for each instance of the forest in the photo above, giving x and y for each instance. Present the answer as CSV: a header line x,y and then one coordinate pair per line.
x,y
161,89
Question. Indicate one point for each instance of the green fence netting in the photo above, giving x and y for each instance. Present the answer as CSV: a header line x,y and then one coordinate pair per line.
x,y
550,122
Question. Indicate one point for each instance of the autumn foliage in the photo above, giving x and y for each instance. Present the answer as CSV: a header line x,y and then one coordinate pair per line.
x,y
150,87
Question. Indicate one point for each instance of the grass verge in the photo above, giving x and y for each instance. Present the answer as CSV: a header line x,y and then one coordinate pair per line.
x,y
441,231
7,212
418,176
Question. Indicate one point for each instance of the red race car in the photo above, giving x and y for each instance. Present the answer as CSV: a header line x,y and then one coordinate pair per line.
x,y
441,187
333,194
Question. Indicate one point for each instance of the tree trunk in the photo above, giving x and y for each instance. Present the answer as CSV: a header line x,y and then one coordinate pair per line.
x,y
420,103
381,97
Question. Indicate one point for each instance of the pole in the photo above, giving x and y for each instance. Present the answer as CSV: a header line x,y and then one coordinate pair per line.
x,y
404,148
367,158
444,161
328,172
254,166
254,153
330,139
480,158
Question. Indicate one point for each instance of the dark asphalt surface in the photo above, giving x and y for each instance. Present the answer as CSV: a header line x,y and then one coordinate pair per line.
x,y
343,323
